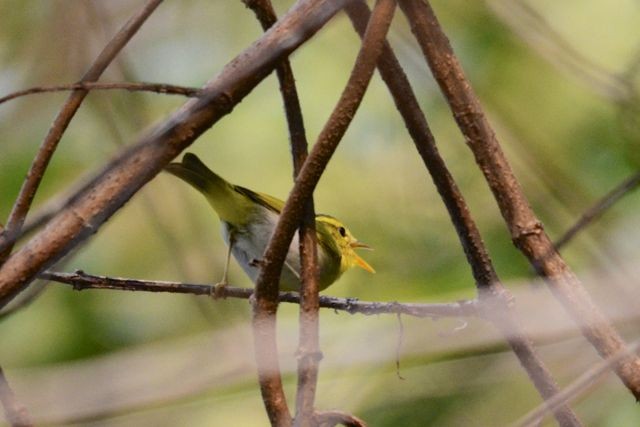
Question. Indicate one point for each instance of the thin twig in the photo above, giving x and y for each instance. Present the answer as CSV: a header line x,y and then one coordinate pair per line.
x,y
163,88
599,208
576,388
15,412
526,229
266,303
138,163
81,281
309,346
67,112
499,308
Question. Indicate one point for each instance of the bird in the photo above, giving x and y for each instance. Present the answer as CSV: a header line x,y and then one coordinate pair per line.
x,y
248,220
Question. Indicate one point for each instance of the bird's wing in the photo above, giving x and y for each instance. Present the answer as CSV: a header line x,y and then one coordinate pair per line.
x,y
272,203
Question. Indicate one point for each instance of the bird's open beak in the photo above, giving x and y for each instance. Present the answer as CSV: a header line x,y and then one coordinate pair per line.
x,y
359,261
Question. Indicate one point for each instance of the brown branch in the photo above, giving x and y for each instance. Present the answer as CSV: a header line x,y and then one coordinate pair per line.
x,y
497,298
266,304
599,208
309,346
67,112
15,413
333,418
526,229
81,281
135,165
162,88
54,205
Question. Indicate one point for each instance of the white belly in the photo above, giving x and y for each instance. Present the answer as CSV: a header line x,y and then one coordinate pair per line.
x,y
249,244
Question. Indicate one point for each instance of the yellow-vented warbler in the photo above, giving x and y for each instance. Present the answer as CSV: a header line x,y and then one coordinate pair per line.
x,y
248,222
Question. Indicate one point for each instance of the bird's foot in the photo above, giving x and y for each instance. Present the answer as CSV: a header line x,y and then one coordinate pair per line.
x,y
218,291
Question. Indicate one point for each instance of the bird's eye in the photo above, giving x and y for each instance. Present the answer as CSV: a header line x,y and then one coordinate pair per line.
x,y
342,231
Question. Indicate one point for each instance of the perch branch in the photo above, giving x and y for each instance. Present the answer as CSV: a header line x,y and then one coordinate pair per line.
x,y
67,112
487,280
266,304
138,163
89,86
526,229
81,281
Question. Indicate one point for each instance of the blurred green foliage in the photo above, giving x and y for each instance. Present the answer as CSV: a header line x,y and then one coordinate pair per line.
x,y
568,145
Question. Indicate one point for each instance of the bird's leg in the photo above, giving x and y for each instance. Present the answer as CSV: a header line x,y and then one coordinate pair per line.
x,y
295,273
218,288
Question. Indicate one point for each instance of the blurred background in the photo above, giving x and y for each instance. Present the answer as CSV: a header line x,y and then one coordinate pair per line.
x,y
559,83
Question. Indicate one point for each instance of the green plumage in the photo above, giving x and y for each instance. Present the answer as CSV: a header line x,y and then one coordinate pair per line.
x,y
249,219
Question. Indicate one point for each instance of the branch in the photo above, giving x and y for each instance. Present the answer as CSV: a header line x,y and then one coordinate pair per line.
x,y
266,303
598,209
16,413
138,163
526,229
498,300
81,281
163,88
309,346
67,112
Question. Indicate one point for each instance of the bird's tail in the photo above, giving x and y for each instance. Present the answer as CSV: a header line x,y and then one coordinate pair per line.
x,y
230,205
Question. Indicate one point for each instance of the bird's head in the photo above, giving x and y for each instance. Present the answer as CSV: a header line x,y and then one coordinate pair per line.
x,y
339,239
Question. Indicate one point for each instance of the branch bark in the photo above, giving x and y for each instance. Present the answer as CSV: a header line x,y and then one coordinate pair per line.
x,y
266,304
81,281
67,112
496,299
309,347
526,229
140,162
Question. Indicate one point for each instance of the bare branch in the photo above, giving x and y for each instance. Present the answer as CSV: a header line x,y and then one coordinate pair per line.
x,y
81,281
163,88
309,347
526,229
499,309
140,162
266,303
67,112
16,413
599,208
